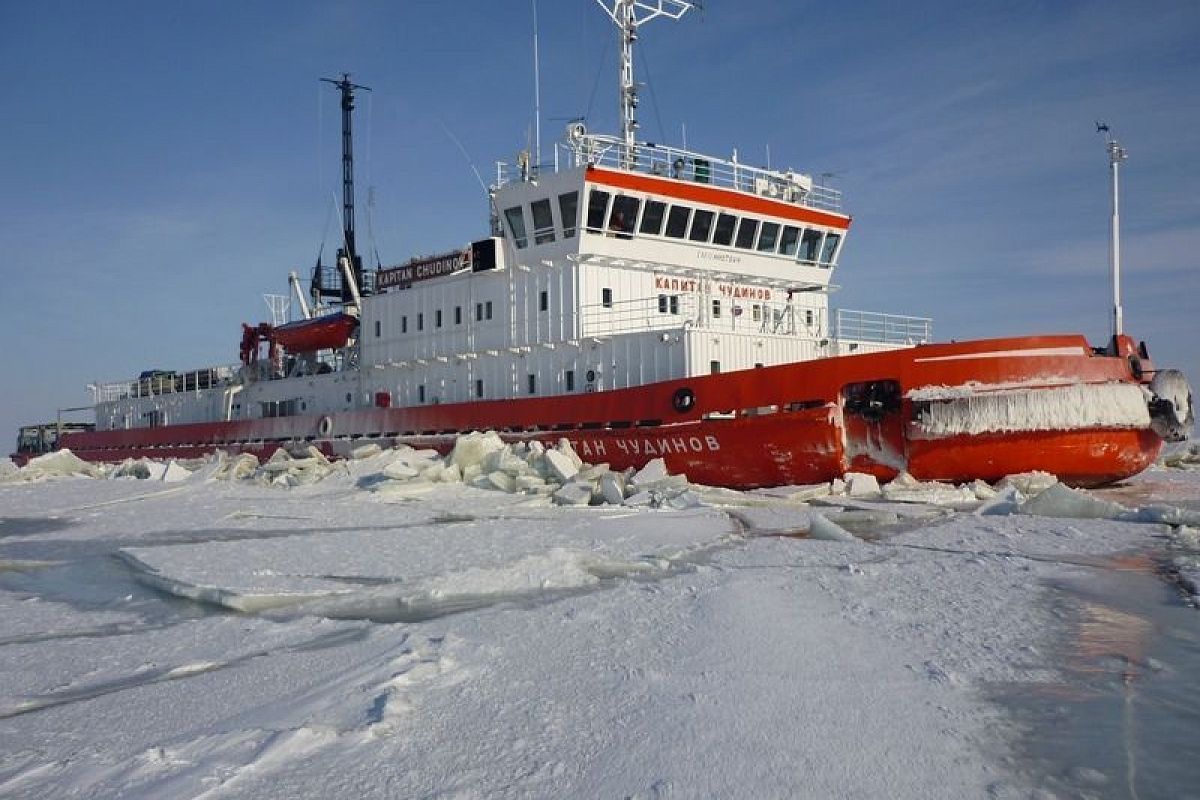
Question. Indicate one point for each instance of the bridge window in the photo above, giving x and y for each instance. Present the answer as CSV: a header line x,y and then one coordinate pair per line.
x,y
569,379
662,304
421,393
532,383
652,217
543,222
377,328
745,235
677,221
438,318
674,304
789,240
597,205
768,237
458,315
479,387
723,233
606,299
479,312
701,226
716,309
487,310
830,249
516,225
810,245
544,301
404,324
624,215
568,209
420,321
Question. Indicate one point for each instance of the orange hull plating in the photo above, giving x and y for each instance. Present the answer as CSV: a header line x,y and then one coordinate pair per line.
x,y
789,424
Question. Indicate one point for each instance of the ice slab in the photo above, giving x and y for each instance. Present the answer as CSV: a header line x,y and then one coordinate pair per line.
x,y
256,574
1062,501
59,464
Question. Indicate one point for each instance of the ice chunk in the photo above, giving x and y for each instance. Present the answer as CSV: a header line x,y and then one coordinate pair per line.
x,y
819,527
471,450
907,489
7,468
612,487
400,471
654,471
175,473
1005,502
564,447
860,484
561,466
967,410
1029,483
498,479
59,464
573,494
797,494
1062,501
365,451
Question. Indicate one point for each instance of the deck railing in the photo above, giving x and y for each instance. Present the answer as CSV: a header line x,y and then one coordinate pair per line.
x,y
872,326
681,164
164,382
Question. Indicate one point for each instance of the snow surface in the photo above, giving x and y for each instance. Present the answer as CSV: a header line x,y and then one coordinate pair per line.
x,y
372,635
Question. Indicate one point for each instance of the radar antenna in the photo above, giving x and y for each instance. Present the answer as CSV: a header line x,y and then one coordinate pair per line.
x,y
1116,154
629,15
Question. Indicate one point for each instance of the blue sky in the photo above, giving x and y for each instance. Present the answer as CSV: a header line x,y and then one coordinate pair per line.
x,y
165,164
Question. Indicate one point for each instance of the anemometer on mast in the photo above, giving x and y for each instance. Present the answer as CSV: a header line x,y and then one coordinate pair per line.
x,y
629,15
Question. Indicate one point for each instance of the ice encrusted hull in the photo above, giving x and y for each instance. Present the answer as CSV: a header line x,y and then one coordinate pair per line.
x,y
977,410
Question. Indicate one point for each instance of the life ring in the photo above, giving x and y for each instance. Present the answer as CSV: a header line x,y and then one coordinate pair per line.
x,y
683,400
325,426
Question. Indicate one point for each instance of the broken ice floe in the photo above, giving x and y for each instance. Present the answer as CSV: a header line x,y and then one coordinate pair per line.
x,y
59,464
1183,458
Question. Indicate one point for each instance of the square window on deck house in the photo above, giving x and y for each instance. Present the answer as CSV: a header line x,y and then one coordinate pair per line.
x,y
516,226
568,211
789,240
652,217
543,222
701,226
677,221
768,237
723,233
810,245
623,216
745,233
597,206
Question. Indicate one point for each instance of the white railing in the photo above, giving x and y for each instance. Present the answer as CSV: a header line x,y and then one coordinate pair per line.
x,y
696,312
872,326
160,382
687,165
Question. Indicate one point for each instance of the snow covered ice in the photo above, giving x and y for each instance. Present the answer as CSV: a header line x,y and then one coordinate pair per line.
x,y
402,624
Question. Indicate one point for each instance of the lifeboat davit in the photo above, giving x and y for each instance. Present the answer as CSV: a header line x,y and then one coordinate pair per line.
x,y
319,333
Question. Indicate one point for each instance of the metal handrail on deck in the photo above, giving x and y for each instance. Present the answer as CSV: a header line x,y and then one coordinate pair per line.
x,y
681,164
873,326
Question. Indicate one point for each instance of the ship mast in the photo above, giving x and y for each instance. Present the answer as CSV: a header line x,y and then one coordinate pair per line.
x,y
349,249
1116,154
629,15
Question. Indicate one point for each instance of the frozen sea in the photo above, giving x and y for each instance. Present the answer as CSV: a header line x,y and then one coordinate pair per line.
x,y
225,639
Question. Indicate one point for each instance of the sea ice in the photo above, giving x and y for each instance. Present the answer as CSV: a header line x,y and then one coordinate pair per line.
x,y
1060,500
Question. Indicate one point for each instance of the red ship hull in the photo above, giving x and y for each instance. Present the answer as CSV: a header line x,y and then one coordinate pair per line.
x,y
798,423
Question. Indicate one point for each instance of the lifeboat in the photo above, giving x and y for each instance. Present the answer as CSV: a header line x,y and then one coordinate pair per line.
x,y
319,333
